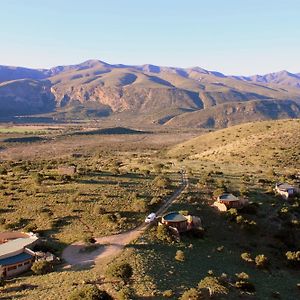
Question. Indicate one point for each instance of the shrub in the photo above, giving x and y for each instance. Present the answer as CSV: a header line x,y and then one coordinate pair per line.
x,y
125,293
243,284
164,234
41,267
293,257
246,256
261,261
168,294
180,255
213,285
139,205
218,192
88,239
3,171
161,182
191,294
89,292
99,210
121,271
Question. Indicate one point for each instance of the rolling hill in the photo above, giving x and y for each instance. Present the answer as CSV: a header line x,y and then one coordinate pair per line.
x,y
192,97
268,144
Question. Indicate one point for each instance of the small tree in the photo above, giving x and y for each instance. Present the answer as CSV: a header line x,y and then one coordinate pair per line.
x,y
121,271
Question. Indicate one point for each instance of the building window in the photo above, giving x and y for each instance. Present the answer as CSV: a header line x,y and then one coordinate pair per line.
x,y
26,263
11,268
20,265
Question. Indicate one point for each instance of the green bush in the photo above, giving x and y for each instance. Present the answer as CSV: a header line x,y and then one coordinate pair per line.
x,y
163,233
41,267
125,293
121,271
89,292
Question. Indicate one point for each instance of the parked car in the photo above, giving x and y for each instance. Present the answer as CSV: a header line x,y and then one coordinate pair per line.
x,y
150,218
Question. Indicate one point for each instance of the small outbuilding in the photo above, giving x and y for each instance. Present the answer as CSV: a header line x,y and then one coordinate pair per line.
x,y
285,190
180,222
227,201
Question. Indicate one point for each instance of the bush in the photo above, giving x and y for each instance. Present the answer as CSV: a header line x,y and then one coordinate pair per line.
x,y
218,192
3,171
125,293
191,294
243,284
180,255
88,239
41,267
161,182
246,257
139,205
168,294
261,261
164,234
213,285
293,257
121,271
89,292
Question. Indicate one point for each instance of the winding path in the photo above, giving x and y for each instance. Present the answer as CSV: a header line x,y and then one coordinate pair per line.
x,y
113,244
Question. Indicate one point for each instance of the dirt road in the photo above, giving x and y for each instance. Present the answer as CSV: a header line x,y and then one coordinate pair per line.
x,y
113,244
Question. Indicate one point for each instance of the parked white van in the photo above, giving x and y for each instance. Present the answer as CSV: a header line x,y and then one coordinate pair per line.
x,y
150,218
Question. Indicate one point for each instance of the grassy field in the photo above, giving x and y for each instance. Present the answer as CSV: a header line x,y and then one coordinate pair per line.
x,y
114,188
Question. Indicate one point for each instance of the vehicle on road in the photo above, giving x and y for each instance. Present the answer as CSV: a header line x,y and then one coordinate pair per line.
x,y
150,218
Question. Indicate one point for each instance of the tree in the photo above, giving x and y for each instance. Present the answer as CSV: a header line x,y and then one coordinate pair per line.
x,y
89,292
41,267
213,285
121,271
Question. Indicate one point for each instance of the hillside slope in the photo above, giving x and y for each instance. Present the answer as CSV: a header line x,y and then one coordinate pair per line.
x,y
272,144
229,114
25,96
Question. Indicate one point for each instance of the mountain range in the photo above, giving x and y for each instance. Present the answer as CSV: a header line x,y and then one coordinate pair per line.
x,y
169,96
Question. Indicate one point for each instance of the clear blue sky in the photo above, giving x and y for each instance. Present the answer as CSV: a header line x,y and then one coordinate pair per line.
x,y
231,36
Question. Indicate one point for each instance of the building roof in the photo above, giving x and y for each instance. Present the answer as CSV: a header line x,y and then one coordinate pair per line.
x,y
228,197
16,245
284,186
174,217
15,259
